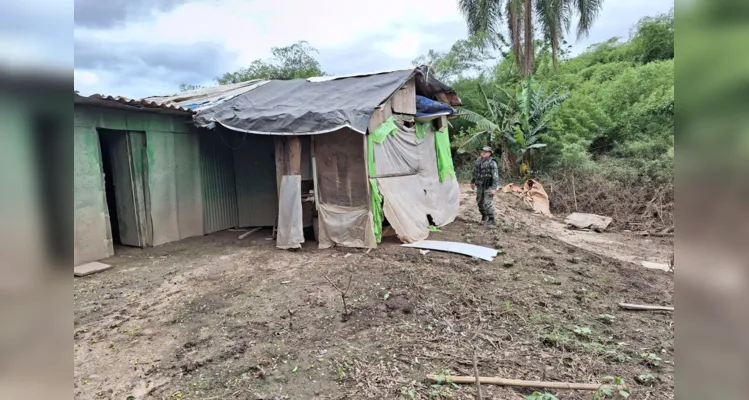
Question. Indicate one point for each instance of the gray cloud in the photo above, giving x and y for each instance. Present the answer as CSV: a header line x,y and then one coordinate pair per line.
x,y
358,58
134,63
112,13
362,56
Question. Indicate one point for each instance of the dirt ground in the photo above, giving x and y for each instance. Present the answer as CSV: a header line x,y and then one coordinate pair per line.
x,y
213,317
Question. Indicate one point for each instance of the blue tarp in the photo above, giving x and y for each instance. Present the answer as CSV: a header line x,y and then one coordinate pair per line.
x,y
426,107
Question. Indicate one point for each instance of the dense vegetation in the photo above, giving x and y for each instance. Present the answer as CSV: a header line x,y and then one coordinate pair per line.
x,y
601,126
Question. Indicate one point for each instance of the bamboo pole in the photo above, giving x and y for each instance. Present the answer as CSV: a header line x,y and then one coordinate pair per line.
x,y
645,307
493,380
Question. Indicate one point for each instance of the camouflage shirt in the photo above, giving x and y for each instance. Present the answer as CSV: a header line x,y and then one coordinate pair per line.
x,y
486,173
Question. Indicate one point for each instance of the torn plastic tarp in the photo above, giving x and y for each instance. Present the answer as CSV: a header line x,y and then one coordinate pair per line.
x,y
407,178
533,195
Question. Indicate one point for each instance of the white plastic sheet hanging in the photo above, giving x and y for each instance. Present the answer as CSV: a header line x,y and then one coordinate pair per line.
x,y
290,233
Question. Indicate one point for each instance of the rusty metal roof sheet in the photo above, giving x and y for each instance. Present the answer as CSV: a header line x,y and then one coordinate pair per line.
x,y
141,104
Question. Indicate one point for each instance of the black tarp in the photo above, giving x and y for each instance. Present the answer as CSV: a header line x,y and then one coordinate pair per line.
x,y
297,107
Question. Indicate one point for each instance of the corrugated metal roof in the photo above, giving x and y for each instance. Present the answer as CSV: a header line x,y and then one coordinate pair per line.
x,y
200,99
142,104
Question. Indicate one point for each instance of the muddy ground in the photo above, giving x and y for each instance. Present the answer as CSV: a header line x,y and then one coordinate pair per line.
x,y
213,317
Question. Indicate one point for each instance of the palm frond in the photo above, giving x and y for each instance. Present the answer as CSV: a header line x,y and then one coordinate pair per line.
x,y
479,120
588,11
473,142
482,16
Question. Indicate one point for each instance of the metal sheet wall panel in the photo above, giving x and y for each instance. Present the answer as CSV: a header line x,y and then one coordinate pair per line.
x,y
255,175
189,188
217,176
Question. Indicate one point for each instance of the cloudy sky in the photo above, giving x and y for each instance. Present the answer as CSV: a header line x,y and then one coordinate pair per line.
x,y
138,48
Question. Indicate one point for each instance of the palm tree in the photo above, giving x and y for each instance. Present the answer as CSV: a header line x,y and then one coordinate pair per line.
x,y
535,108
554,17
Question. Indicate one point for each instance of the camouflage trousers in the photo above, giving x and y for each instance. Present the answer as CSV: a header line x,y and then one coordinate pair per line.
x,y
485,201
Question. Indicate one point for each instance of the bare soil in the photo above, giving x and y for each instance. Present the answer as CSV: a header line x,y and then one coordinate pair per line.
x,y
214,317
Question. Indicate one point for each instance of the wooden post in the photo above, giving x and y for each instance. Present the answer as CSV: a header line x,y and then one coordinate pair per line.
x,y
314,171
294,152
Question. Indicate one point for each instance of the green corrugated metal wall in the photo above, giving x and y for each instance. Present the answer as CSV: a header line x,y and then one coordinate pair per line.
x,y
255,176
219,192
173,175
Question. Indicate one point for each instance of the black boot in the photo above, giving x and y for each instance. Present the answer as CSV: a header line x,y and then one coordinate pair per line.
x,y
490,221
483,218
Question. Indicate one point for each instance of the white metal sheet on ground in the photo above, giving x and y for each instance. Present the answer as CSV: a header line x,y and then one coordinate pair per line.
x,y
91,268
480,252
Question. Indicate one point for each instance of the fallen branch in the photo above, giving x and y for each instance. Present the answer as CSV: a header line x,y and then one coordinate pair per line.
x,y
644,307
493,380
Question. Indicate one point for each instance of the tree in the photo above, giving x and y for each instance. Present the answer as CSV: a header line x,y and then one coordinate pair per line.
x,y
653,38
468,55
290,62
554,16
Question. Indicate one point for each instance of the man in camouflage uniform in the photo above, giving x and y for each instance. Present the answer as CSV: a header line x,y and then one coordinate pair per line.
x,y
486,182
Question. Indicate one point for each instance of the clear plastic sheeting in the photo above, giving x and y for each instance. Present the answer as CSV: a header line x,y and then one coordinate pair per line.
x,y
290,234
345,226
409,196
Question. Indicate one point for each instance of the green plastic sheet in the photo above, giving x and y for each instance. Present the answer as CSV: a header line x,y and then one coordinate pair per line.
x,y
383,131
444,156
377,215
421,129
379,135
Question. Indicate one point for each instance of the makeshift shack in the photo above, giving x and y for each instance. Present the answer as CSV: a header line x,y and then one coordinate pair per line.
x,y
376,146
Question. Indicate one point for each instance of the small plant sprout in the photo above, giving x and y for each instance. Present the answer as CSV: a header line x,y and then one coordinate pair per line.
x,y
582,331
445,376
651,359
541,396
386,296
612,390
645,379
606,318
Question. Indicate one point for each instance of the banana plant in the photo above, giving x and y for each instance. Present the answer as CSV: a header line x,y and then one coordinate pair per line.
x,y
517,122
496,122
534,113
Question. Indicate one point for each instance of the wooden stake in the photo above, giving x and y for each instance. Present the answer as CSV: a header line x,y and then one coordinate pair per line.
x,y
519,382
477,378
644,307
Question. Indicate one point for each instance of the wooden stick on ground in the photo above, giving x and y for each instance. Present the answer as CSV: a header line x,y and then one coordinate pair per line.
x,y
492,380
644,307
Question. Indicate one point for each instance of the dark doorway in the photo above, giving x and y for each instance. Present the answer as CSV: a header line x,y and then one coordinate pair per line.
x,y
123,169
